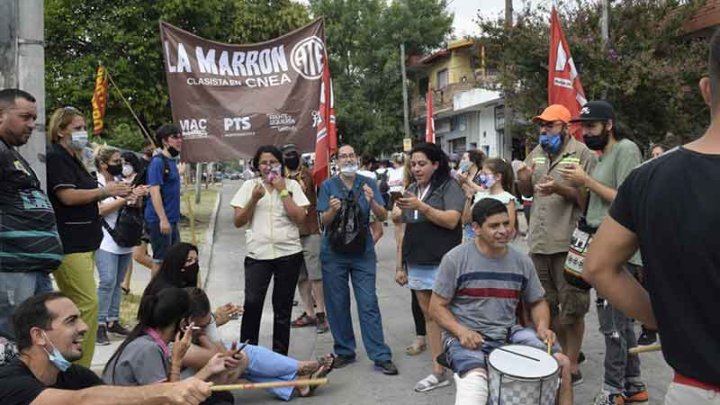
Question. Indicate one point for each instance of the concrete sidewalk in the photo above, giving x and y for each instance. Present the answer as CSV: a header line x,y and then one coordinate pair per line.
x,y
360,383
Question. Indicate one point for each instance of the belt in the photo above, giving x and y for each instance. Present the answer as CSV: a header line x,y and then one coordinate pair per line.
x,y
681,379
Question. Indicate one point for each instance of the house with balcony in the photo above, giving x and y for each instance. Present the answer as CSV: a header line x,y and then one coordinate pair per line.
x,y
467,109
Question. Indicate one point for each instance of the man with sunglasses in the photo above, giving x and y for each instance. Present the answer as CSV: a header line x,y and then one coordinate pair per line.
x,y
557,206
162,212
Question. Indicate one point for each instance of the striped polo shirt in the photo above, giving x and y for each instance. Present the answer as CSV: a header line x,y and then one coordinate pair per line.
x,y
484,292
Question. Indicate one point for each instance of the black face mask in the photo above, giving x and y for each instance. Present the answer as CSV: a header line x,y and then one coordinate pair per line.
x,y
114,170
190,274
292,162
173,152
597,142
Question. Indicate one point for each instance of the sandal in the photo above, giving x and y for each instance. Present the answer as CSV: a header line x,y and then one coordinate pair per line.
x,y
125,291
432,382
303,320
416,348
326,366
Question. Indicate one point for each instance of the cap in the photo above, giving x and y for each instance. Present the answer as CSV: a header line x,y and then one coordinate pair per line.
x,y
554,112
595,111
290,147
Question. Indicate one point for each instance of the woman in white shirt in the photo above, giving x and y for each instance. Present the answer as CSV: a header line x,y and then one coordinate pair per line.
x,y
271,208
111,260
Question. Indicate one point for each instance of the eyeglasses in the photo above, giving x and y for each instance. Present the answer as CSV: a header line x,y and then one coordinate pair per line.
x,y
347,156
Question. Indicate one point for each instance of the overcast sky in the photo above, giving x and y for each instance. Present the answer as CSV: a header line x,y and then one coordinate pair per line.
x,y
466,11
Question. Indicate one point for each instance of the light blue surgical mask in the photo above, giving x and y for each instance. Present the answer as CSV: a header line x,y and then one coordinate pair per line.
x,y
487,181
464,166
551,143
56,358
79,140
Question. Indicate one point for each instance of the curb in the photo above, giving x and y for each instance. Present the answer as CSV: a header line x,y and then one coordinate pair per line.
x,y
206,250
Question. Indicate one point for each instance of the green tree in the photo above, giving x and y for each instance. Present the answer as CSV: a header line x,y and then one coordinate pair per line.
x,y
363,39
125,37
649,72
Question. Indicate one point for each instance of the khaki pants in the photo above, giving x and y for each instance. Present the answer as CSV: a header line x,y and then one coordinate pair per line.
x,y
680,394
76,279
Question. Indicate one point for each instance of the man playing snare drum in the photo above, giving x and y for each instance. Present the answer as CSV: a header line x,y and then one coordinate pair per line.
x,y
475,300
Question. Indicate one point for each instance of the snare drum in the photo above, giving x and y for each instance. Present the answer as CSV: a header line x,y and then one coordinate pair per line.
x,y
522,375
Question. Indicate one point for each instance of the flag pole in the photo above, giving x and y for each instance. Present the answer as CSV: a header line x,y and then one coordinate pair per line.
x,y
142,127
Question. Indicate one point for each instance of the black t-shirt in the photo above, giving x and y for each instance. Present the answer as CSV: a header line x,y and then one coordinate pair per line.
x,y
29,239
79,226
18,385
672,204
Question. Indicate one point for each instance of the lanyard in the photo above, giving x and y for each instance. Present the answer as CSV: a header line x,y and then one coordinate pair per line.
x,y
157,339
421,197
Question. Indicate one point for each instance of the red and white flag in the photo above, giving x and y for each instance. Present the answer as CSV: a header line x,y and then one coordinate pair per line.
x,y
326,138
564,85
429,120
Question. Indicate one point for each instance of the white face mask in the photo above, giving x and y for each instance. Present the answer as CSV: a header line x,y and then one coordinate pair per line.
x,y
79,139
349,169
127,170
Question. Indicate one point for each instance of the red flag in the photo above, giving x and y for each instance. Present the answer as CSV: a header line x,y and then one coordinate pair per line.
x,y
99,100
563,81
429,120
326,138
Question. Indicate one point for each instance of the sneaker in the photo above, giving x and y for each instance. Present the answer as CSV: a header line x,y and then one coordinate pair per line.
x,y
606,398
342,361
647,337
387,367
577,378
432,382
302,321
118,329
321,325
636,395
102,337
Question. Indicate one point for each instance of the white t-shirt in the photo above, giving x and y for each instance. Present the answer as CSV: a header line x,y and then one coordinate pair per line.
x,y
271,233
396,179
108,243
503,197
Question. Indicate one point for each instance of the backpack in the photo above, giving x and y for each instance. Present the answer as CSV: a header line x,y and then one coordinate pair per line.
x,y
382,179
348,231
128,228
141,178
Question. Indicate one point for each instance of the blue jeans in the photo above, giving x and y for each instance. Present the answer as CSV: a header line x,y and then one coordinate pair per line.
x,y
622,369
16,288
360,269
111,268
161,243
268,366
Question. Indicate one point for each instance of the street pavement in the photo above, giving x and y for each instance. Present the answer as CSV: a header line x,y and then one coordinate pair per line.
x,y
359,382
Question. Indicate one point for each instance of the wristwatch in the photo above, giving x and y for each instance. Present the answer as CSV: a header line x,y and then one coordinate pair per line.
x,y
284,193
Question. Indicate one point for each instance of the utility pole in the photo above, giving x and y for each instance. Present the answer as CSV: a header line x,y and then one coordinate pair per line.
x,y
22,65
505,148
605,24
404,89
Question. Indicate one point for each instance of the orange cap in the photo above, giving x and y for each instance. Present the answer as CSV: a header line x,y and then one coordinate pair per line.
x,y
554,112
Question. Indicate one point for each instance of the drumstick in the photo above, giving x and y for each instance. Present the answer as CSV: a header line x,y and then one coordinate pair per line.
x,y
644,349
548,345
517,354
277,384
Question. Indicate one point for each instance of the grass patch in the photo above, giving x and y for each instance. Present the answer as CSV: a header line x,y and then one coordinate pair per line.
x,y
203,211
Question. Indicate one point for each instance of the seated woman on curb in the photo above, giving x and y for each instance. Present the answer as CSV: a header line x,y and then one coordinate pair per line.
x,y
145,358
264,365
180,269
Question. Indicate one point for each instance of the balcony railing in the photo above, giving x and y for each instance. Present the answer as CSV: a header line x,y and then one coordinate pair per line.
x,y
443,98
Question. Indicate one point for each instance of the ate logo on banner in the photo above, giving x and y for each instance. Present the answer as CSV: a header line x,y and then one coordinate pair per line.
x,y
307,58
